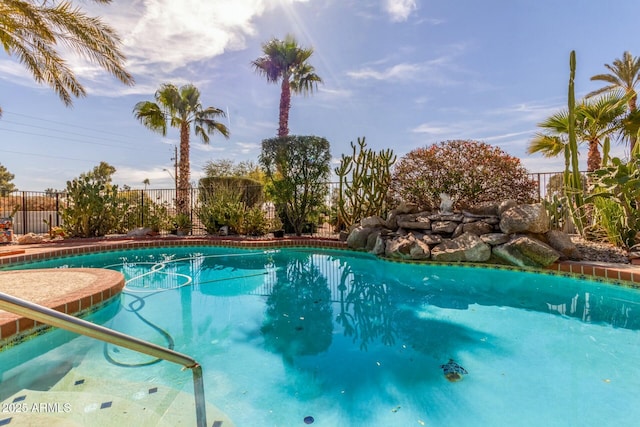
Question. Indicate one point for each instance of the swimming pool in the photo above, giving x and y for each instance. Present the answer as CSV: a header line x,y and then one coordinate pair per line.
x,y
351,340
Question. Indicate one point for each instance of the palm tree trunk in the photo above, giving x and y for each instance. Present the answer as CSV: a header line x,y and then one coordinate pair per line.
x,y
633,138
285,105
594,159
184,166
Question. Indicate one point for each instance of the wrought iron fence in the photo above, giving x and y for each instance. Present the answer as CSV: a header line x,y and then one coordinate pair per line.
x,y
36,212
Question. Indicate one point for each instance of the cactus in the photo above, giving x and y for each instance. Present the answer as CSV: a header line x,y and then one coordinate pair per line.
x,y
364,179
572,176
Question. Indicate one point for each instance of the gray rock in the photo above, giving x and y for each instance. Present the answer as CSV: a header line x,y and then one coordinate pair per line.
x,y
478,227
414,222
561,242
458,231
373,221
379,247
432,239
30,239
485,208
443,227
140,232
372,238
506,205
358,237
467,247
524,251
525,218
495,239
407,247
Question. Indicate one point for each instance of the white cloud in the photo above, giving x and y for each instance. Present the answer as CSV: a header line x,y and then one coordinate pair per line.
x,y
399,10
431,129
396,72
162,36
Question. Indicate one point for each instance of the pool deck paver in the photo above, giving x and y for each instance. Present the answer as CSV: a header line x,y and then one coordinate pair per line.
x,y
69,290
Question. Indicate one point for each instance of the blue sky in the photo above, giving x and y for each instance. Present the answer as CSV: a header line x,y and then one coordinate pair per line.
x,y
403,73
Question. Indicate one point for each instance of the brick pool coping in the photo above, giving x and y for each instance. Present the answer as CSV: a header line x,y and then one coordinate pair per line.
x,y
84,290
106,286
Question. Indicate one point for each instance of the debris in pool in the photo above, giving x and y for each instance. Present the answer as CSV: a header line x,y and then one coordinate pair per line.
x,y
396,409
452,371
308,419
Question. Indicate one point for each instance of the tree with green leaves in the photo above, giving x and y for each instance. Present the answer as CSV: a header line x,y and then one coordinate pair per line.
x,y
181,108
285,62
623,77
33,31
6,186
298,170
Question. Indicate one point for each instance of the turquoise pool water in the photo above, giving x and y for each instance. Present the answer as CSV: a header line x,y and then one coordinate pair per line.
x,y
352,340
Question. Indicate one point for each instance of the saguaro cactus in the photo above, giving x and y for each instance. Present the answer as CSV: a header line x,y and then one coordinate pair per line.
x,y
365,177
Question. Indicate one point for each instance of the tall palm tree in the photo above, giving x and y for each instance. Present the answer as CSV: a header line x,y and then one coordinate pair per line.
x,y
596,120
286,63
32,31
181,108
624,76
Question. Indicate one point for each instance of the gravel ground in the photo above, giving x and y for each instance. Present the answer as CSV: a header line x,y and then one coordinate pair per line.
x,y
602,252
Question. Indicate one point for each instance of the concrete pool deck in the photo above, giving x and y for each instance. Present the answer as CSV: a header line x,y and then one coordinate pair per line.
x,y
77,291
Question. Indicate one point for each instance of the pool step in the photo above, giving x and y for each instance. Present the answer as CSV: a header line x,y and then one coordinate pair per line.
x,y
88,401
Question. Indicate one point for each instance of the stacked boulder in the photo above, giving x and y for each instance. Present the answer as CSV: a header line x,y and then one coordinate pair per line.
x,y
491,232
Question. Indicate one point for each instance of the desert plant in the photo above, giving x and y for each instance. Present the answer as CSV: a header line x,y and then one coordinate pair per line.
x,y
255,222
220,207
94,208
620,183
572,177
468,171
298,168
364,180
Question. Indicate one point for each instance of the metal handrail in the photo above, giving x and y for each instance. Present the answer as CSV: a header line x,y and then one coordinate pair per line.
x,y
82,327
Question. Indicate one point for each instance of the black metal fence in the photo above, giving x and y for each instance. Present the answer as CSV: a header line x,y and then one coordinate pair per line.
x,y
36,212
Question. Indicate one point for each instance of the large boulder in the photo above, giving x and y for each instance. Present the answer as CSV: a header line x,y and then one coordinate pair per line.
x,y
467,247
358,237
478,227
495,239
484,208
525,218
414,222
444,227
561,242
373,221
407,247
524,251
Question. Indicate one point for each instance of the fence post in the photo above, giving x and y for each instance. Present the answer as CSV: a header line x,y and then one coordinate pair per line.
x,y
24,213
141,208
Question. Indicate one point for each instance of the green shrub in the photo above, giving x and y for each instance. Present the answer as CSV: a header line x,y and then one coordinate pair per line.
x,y
255,222
219,207
298,170
469,172
93,209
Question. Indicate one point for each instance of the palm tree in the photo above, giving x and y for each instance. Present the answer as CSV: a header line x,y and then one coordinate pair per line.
x,y
624,76
32,30
181,108
596,120
286,62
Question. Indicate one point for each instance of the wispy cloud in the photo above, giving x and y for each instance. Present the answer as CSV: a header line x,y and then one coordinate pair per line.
x,y
399,10
396,72
161,38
